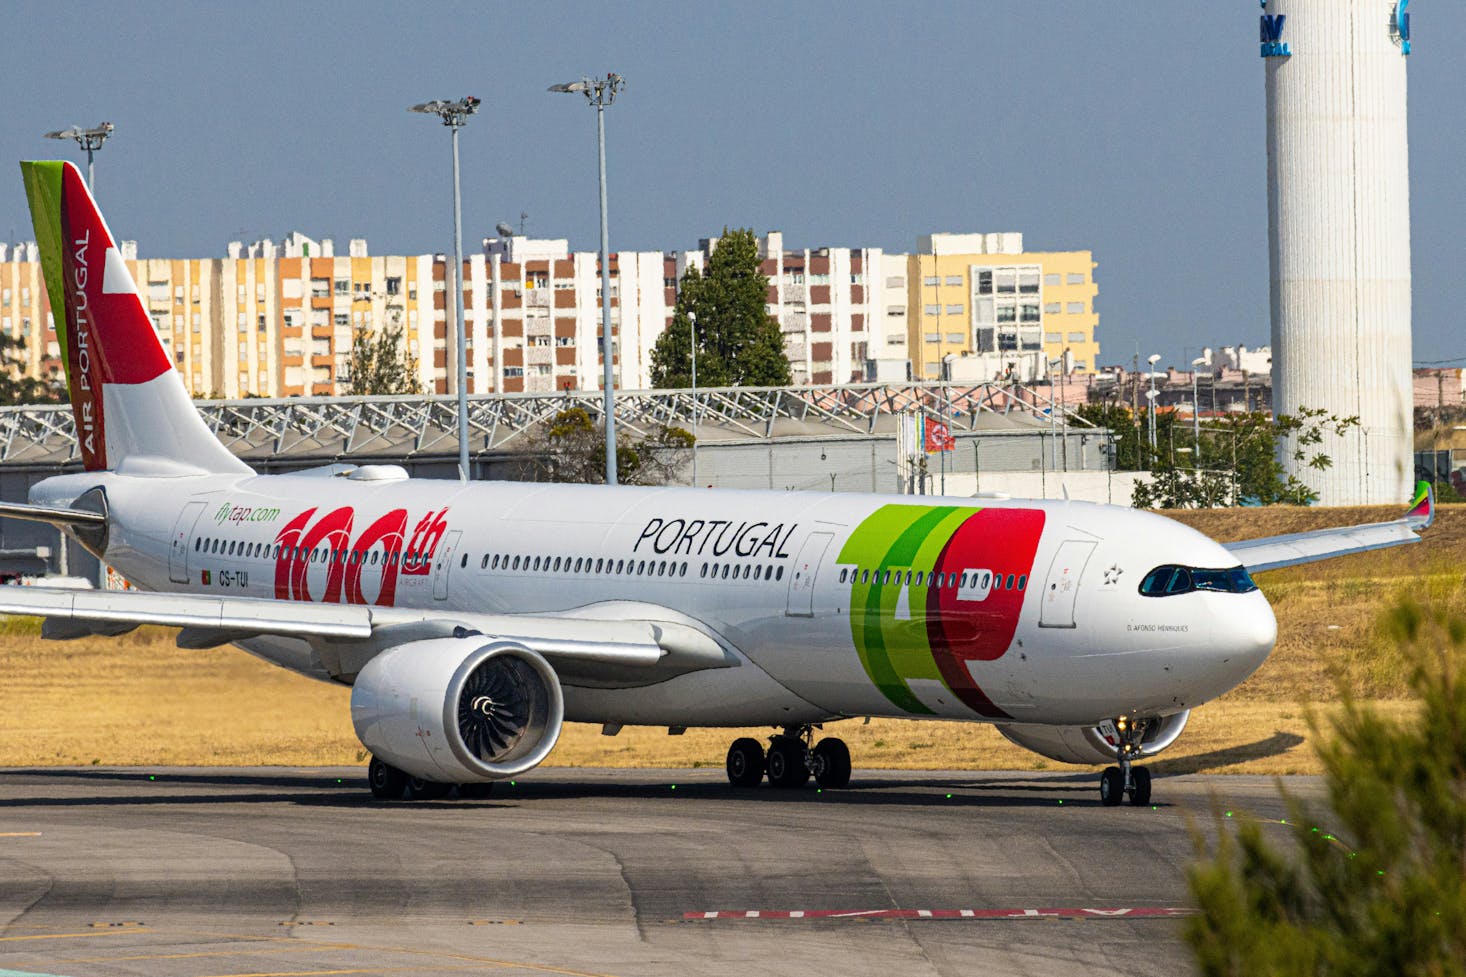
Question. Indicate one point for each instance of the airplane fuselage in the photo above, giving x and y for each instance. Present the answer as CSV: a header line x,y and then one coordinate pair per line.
x,y
834,604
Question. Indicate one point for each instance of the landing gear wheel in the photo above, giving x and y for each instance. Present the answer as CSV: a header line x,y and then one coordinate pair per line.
x,y
832,763
426,790
787,762
1112,786
1139,786
476,791
386,781
745,763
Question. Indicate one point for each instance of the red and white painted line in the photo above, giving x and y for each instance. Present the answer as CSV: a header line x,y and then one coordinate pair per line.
x,y
1127,912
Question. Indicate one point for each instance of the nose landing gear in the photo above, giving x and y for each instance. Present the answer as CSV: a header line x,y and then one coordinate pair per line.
x,y
790,761
1116,782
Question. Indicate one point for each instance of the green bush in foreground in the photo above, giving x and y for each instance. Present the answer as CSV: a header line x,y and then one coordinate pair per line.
x,y
1388,894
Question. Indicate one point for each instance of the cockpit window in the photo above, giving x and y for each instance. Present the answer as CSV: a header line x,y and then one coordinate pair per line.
x,y
1164,581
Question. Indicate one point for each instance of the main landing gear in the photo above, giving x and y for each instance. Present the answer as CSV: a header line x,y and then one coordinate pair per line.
x,y
390,784
790,761
1117,782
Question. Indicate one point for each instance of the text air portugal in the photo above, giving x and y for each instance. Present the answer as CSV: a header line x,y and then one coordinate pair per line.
x,y
87,249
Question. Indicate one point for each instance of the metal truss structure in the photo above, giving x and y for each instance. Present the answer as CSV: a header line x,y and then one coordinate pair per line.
x,y
417,427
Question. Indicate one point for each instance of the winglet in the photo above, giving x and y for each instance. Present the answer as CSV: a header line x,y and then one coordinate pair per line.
x,y
1422,508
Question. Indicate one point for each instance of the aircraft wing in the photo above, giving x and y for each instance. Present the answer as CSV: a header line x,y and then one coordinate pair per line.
x,y
1274,552
612,645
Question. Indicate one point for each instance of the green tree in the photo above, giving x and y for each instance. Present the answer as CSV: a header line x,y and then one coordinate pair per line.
x,y
19,387
1240,452
382,364
572,448
1382,892
738,342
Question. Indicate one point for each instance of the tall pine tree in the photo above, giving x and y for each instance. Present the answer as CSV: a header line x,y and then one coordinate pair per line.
x,y
738,342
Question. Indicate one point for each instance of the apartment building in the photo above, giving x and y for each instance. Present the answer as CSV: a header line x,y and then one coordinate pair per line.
x,y
983,294
278,319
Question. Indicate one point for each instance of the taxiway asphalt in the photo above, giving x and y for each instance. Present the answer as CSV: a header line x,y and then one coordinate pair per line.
x,y
206,872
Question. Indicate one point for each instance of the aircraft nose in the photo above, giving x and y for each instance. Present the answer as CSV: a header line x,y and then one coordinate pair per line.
x,y
1249,631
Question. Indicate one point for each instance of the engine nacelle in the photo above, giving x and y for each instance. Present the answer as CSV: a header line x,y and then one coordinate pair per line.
x,y
458,710
1093,744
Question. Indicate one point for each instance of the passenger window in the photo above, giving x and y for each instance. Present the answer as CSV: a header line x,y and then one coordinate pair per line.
x,y
516,564
725,571
482,566
842,574
1008,584
865,576
780,574
1022,581
919,575
758,573
462,564
704,571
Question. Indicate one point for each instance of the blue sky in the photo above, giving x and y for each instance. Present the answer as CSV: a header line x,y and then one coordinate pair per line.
x,y
1134,130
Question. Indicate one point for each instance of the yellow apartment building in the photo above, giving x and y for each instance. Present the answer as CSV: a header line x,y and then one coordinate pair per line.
x,y
983,294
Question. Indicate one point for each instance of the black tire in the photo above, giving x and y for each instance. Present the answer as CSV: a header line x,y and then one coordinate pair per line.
x,y
386,781
1112,787
745,763
786,763
426,790
832,763
1139,786
476,792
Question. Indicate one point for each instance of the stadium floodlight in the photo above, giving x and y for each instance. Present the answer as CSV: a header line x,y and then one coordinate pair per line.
x,y
455,116
601,92
89,139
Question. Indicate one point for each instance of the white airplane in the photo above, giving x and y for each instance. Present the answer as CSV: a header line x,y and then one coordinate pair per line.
x,y
472,619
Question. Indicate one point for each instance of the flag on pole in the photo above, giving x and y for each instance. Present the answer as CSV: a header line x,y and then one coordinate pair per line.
x,y
938,437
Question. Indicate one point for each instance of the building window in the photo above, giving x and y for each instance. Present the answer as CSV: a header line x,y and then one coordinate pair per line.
x,y
343,286
1051,279
1076,278
1028,312
1053,308
896,340
896,310
931,281
1078,337
1006,281
320,288
956,337
1028,282
896,281
932,337
1076,308
954,309
931,309
1053,337
1007,313
394,285
985,282
343,319
954,280
514,371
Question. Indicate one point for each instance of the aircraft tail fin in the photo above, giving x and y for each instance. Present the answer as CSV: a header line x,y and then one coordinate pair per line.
x,y
126,398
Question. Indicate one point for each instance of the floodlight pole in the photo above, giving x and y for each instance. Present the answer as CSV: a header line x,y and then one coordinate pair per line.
x,y
601,92
89,139
455,116
692,330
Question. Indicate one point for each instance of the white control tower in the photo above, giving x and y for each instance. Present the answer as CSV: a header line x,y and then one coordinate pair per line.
x,y
1339,235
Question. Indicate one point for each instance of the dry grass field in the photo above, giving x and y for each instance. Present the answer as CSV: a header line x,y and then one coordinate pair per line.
x,y
139,700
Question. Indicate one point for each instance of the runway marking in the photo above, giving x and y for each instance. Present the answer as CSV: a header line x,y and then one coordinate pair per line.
x,y
20,834
74,936
302,973
1129,912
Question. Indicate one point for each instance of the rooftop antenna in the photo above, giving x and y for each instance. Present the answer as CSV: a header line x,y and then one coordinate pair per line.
x,y
522,218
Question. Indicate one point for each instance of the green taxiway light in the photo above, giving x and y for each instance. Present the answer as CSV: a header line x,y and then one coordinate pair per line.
x,y
949,797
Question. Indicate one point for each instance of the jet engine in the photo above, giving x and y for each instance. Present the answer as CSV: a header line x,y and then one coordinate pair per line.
x,y
458,710
1095,744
